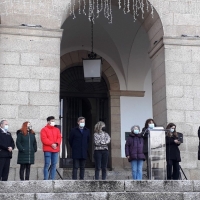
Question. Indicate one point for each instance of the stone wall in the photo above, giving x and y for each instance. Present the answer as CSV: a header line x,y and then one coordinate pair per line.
x,y
182,86
29,79
30,69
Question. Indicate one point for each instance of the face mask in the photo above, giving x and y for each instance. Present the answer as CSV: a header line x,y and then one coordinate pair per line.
x,y
136,131
82,124
6,127
151,126
52,123
103,129
171,130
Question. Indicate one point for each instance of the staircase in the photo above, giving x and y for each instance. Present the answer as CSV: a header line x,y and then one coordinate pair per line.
x,y
100,190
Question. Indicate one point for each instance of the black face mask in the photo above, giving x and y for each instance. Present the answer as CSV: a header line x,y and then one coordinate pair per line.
x,y
103,129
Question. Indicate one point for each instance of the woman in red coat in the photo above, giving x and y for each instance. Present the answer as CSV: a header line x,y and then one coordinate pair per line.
x,y
51,139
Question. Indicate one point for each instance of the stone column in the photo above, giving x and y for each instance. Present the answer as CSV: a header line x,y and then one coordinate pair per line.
x,y
182,60
157,55
29,81
117,161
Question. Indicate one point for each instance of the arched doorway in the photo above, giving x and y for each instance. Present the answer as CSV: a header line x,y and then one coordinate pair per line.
x,y
132,49
80,98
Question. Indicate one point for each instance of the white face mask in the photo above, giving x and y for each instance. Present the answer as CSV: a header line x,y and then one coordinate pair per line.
x,y
82,124
52,124
151,126
6,127
172,130
136,131
29,126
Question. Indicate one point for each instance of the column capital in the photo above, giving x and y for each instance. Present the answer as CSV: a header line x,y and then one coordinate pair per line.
x,y
127,93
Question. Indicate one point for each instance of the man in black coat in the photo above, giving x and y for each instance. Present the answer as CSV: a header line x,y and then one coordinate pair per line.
x,y
6,146
79,142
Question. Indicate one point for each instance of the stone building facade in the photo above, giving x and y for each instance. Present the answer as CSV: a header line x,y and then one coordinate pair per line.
x,y
32,59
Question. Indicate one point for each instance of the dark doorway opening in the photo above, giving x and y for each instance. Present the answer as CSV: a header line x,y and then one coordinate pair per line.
x,y
80,98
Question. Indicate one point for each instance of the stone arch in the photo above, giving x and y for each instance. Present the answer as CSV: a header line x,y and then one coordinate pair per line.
x,y
152,25
75,59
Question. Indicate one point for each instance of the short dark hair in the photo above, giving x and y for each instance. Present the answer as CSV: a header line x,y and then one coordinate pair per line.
x,y
50,118
2,121
80,118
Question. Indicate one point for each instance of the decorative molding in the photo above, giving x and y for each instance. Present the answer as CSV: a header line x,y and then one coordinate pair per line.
x,y
127,93
182,41
31,31
176,41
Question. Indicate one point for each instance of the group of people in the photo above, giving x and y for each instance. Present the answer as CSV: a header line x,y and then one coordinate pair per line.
x,y
79,141
27,146
51,139
136,150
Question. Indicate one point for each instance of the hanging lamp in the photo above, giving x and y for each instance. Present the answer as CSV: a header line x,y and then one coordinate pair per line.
x,y
92,65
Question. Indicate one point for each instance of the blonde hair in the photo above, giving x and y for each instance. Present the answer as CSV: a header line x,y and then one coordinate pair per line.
x,y
98,127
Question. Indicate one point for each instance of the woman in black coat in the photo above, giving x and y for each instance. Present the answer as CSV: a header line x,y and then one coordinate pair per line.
x,y
149,125
27,146
172,152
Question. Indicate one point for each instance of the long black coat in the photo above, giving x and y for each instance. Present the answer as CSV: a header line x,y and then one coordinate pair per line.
x,y
172,150
6,141
27,147
145,134
79,142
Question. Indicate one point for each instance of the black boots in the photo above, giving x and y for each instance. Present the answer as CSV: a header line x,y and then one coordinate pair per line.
x,y
22,169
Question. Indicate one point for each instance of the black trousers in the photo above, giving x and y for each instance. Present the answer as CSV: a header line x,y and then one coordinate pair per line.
x,y
24,168
78,163
4,168
147,162
172,174
101,160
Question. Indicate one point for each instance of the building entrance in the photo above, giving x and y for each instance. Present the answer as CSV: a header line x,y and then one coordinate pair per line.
x,y
80,98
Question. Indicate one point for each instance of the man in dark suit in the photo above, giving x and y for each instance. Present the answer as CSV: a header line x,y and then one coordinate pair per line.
x,y
79,141
6,146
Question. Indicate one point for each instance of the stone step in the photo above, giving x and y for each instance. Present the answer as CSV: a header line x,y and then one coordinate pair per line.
x,y
97,190
72,186
103,195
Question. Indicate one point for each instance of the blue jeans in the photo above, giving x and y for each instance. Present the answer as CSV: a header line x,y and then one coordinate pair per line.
x,y
50,158
101,160
136,166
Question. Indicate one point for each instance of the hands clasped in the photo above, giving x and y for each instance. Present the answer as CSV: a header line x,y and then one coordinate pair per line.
x,y
54,146
10,149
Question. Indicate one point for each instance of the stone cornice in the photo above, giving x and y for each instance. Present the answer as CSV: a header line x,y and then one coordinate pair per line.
x,y
127,93
31,31
181,41
174,40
